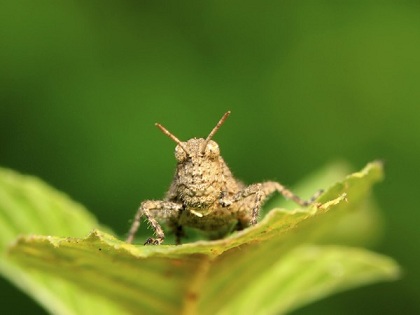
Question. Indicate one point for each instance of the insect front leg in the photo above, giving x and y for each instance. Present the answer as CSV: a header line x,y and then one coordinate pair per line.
x,y
153,210
240,203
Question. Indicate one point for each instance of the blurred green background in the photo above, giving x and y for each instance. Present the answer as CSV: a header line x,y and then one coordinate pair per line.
x,y
308,82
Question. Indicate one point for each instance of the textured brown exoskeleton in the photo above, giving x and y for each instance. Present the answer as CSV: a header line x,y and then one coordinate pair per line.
x,y
205,195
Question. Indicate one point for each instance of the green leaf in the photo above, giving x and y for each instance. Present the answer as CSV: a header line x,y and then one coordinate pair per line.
x,y
365,218
307,274
29,206
270,268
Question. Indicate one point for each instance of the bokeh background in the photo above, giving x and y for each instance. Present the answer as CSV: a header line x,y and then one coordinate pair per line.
x,y
308,82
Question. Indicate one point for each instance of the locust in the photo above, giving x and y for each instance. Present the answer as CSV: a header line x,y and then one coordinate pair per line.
x,y
205,195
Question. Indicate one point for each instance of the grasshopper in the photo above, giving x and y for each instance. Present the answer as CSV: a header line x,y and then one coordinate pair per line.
x,y
205,195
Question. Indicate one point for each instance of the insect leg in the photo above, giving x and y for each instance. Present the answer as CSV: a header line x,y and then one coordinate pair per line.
x,y
270,187
261,191
153,210
240,197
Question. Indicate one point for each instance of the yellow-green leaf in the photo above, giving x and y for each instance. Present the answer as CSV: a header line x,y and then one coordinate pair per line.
x,y
29,206
270,268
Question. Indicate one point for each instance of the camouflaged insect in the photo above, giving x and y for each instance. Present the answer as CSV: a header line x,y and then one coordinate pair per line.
x,y
204,194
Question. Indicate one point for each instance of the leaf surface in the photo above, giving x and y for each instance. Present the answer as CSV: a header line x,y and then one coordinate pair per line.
x,y
29,206
275,266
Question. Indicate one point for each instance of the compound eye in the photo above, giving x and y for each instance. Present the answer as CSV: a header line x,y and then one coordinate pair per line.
x,y
180,154
212,149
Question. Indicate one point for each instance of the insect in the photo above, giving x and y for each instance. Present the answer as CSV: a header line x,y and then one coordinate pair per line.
x,y
205,195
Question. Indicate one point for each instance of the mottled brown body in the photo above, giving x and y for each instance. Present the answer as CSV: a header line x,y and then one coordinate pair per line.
x,y
204,194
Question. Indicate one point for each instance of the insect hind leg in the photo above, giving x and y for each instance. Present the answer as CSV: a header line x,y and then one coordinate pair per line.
x,y
261,191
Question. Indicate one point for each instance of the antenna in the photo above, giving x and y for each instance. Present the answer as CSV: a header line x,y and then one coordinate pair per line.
x,y
170,135
215,129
